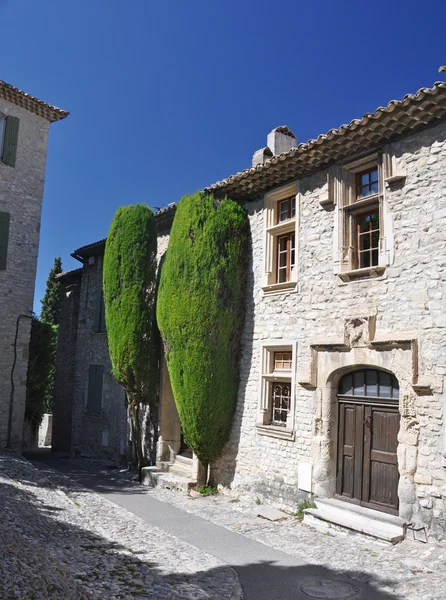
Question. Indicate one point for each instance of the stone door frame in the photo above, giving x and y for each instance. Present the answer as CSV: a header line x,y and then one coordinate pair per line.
x,y
396,354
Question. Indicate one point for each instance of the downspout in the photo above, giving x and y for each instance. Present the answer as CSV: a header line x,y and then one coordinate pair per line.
x,y
11,398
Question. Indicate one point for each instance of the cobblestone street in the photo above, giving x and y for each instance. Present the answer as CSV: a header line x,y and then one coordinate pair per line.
x,y
78,545
60,540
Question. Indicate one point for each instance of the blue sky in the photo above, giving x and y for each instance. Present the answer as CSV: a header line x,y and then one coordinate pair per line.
x,y
168,97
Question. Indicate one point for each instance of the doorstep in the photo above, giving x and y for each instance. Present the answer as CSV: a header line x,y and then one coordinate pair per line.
x,y
332,512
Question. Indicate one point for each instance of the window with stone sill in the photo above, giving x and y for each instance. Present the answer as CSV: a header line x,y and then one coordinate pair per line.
x,y
362,241
276,408
281,213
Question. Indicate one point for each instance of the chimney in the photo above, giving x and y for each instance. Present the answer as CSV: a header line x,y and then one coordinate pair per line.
x,y
260,156
281,139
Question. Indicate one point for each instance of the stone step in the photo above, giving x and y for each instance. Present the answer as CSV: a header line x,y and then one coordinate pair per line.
x,y
332,512
154,477
180,469
184,460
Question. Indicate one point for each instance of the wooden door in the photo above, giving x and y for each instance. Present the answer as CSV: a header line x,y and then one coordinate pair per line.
x,y
367,439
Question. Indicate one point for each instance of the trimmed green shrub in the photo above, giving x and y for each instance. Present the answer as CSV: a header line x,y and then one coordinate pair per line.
x,y
200,314
129,281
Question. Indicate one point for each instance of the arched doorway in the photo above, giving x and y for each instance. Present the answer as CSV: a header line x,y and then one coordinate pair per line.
x,y
368,424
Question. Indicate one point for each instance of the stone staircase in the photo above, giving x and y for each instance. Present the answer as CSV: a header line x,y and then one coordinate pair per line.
x,y
338,514
176,475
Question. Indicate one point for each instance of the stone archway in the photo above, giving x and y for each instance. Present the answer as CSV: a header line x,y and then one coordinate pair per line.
x,y
359,350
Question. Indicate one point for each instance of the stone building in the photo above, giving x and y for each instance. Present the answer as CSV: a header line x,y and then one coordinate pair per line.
x,y
24,128
344,347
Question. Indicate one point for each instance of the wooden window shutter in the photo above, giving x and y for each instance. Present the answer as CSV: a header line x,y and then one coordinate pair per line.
x,y
94,394
4,239
10,141
97,311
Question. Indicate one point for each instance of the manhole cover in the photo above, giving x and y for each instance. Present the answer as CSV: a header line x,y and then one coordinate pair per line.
x,y
329,589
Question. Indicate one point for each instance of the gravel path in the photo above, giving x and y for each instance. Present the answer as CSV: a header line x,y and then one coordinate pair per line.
x,y
62,542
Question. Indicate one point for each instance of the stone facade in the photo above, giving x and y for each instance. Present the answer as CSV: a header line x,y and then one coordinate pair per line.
x,y
64,384
21,192
104,435
406,305
337,320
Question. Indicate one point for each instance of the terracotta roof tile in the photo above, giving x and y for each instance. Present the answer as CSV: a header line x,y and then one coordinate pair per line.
x,y
398,118
42,109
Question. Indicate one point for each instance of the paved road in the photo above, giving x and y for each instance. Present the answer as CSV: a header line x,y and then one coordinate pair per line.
x,y
264,573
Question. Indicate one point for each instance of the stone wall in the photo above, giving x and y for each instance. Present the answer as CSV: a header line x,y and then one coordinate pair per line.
x,y
103,436
407,303
64,383
21,191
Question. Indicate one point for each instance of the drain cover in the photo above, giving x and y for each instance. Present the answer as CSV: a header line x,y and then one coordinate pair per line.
x,y
329,589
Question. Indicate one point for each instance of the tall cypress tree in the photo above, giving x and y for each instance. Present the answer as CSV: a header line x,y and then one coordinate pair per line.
x,y
129,281
51,300
200,312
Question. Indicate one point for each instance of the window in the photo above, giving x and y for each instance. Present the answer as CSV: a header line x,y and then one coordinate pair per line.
x,y
367,240
9,133
357,191
286,251
94,391
99,313
286,209
280,241
276,409
4,239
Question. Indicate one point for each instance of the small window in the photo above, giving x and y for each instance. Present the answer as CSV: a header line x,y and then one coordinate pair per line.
x,y
276,414
286,209
282,361
367,183
94,392
286,253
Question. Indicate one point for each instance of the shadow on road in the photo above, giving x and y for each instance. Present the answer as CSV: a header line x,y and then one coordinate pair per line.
x,y
95,562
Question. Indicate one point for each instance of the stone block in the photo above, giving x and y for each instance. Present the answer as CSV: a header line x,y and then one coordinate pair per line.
x,y
422,479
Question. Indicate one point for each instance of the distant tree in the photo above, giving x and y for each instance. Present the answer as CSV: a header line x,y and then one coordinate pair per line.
x,y
200,312
51,300
129,280
39,382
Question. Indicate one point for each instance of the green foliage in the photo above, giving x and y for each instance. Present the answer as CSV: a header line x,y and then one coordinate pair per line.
x,y
39,383
129,280
200,314
208,490
51,300
302,506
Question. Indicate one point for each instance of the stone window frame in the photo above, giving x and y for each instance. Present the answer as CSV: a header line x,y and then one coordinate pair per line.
x,y
273,230
342,194
268,376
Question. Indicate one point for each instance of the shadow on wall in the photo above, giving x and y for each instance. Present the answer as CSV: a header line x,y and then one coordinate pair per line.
x,y
76,563
223,470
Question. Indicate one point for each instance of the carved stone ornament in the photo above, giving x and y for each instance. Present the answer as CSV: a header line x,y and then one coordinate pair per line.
x,y
408,406
357,331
